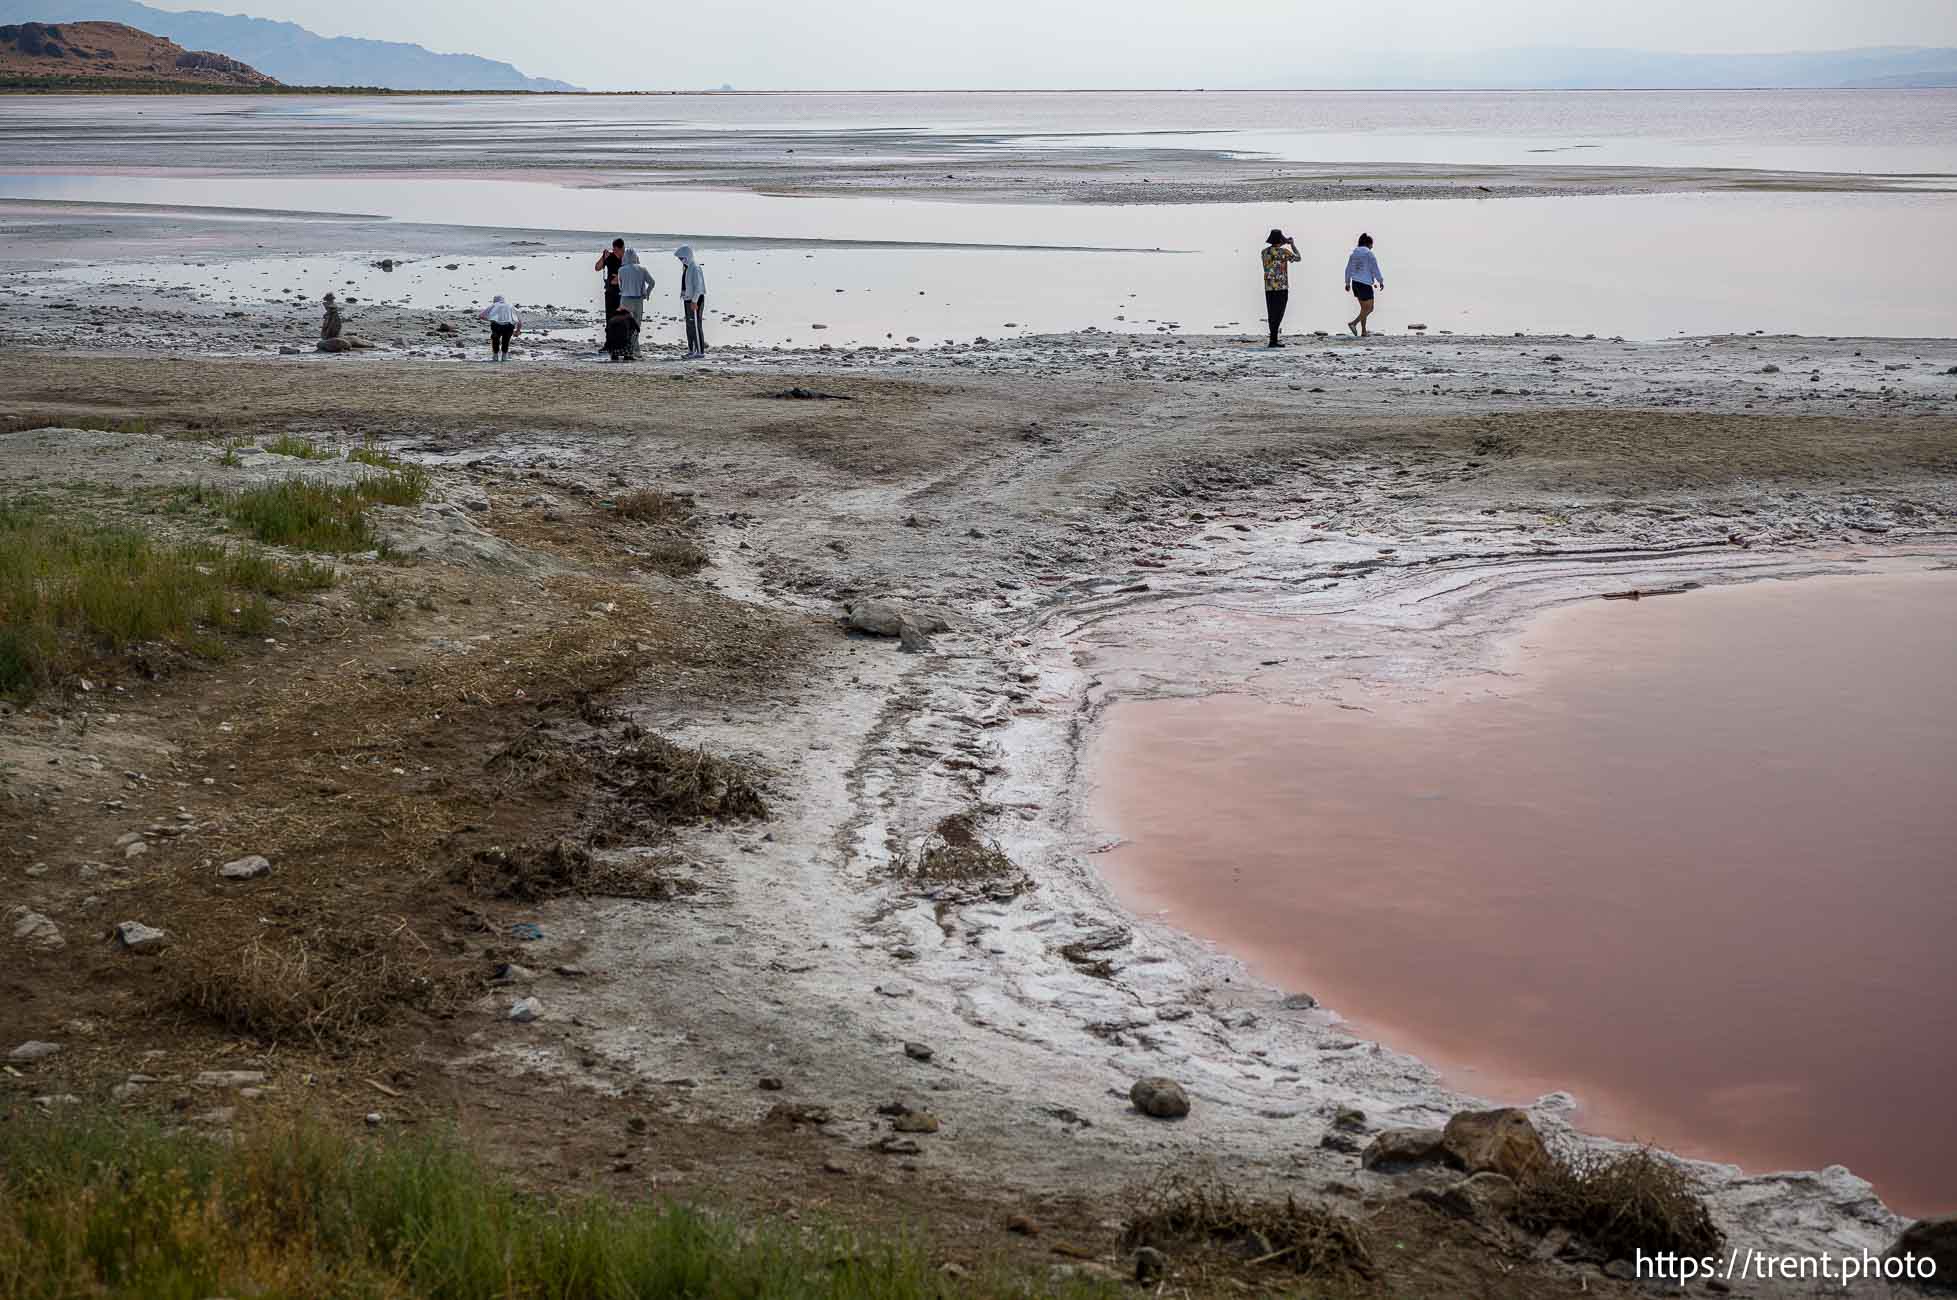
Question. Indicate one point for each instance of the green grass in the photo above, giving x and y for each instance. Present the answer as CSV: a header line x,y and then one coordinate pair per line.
x,y
72,593
369,452
92,1205
309,514
303,448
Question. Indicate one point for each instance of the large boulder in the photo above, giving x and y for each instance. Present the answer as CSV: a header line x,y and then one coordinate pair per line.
x,y
1159,1098
1398,1149
1502,1141
1931,1241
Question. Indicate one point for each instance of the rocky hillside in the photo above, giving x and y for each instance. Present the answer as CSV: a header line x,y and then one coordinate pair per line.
x,y
111,52
289,52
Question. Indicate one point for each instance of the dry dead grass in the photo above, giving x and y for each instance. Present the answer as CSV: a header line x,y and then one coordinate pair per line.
x,y
957,853
321,987
1184,1211
535,873
1621,1203
651,506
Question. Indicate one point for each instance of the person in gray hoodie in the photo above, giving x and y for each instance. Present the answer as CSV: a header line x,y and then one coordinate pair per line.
x,y
693,301
634,287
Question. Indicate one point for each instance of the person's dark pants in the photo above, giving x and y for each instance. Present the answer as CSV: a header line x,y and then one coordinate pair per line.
x,y
1275,301
499,338
696,325
611,301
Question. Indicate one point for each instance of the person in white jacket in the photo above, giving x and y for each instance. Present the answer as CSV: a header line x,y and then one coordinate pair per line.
x,y
634,287
504,323
693,301
1362,277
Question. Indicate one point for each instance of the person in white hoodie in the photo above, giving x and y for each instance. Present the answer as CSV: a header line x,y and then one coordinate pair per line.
x,y
634,287
1361,278
504,322
693,301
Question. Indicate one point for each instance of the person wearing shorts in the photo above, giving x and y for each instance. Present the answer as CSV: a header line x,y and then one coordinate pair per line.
x,y
1362,278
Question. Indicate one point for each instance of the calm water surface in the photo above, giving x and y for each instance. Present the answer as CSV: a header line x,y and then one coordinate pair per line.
x,y
1694,865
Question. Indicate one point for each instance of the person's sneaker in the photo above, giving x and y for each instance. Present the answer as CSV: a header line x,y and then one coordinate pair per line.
x,y
1274,344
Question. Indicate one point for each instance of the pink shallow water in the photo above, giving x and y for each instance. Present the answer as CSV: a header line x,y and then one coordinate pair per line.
x,y
1695,862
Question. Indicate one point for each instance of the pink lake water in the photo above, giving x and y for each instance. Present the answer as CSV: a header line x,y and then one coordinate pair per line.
x,y
1694,862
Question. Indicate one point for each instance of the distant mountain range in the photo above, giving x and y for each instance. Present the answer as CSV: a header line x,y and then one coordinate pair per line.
x,y
1890,67
88,56
288,51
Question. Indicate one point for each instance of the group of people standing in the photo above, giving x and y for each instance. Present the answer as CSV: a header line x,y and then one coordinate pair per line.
x,y
1362,280
628,284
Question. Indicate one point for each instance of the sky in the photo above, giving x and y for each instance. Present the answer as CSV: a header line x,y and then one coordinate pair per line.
x,y
1015,44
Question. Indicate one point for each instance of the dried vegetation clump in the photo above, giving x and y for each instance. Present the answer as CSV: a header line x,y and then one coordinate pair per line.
x,y
1183,1210
1621,1203
318,988
956,853
535,873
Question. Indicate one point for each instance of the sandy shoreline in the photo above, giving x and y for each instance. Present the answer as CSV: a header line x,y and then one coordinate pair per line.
x,y
1072,504
1043,492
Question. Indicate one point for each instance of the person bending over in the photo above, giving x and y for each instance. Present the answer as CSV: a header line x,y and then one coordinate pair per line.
x,y
504,324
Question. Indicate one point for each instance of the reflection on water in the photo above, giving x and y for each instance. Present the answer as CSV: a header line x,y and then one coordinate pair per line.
x,y
1695,867
1642,266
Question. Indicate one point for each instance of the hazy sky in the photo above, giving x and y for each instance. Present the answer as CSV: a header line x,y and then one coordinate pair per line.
x,y
880,44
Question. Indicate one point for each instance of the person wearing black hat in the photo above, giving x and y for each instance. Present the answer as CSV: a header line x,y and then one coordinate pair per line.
x,y
1280,251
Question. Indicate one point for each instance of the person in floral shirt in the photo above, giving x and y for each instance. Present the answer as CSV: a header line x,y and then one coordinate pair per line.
x,y
1280,251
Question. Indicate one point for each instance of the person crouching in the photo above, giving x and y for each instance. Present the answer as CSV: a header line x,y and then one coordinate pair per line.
x,y
621,335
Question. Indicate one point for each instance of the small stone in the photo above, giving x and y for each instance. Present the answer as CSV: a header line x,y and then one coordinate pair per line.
x,y
229,1079
918,1051
136,937
1023,1225
1151,1265
374,1119
136,850
1397,1149
1349,1119
1769,369
1486,1196
246,868
526,1010
33,1050
127,838
915,1121
635,1124
1300,1002
900,1146
896,990
32,930
834,1167
1159,1098
768,1083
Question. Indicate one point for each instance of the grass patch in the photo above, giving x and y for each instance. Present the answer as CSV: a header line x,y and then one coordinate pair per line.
x,y
369,453
656,781
96,1206
1182,1210
74,593
1621,1203
336,990
675,557
311,515
303,448
650,506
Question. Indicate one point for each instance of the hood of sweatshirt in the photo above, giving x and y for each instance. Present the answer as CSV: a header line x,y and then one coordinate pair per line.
x,y
685,254
631,257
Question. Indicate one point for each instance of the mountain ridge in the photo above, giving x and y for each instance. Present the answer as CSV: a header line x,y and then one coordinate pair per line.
x,y
291,53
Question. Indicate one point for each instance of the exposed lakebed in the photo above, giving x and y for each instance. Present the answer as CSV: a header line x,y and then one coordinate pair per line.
x,y
1687,858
